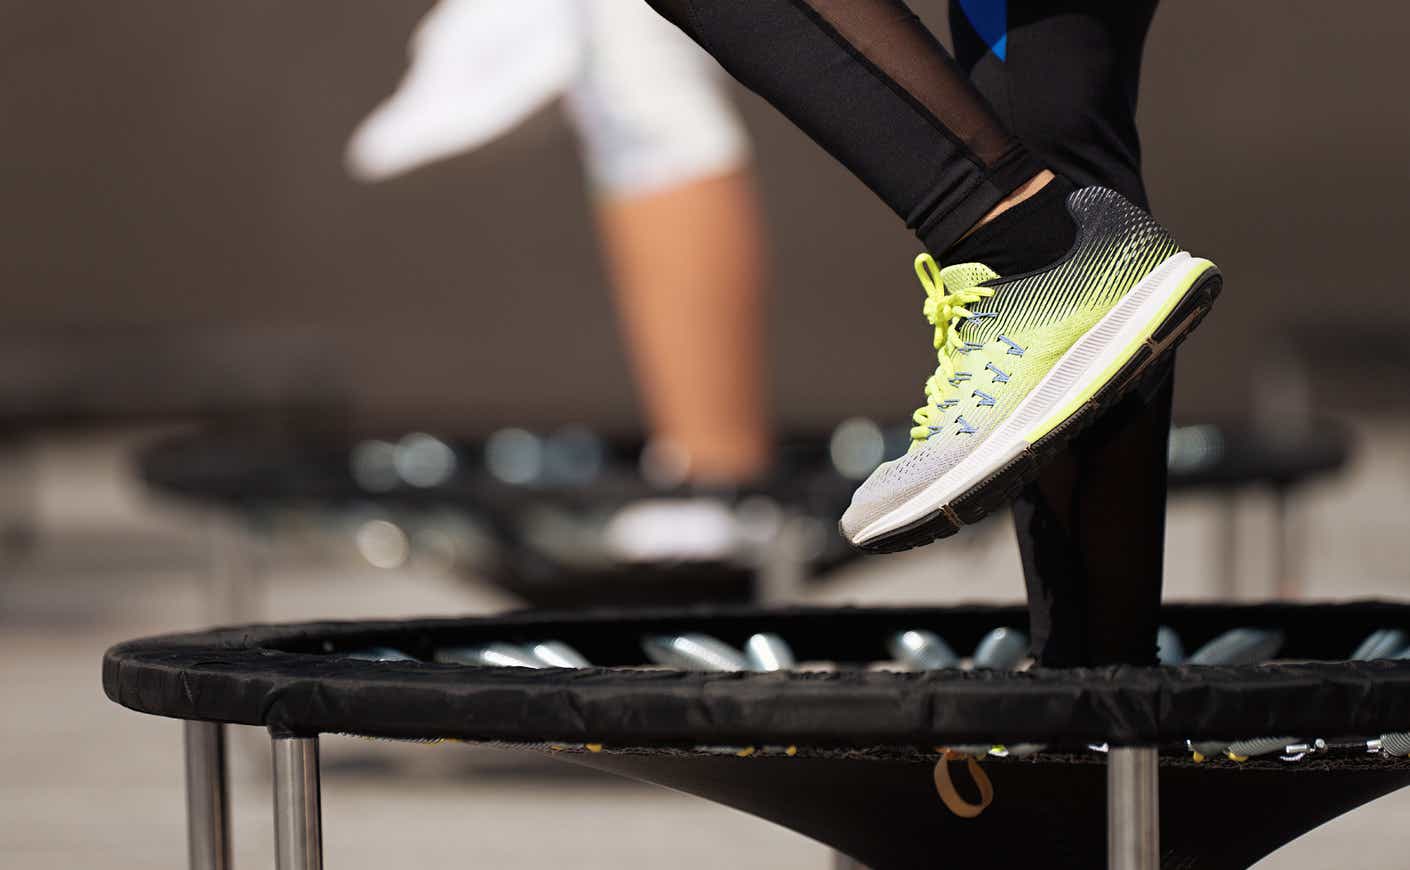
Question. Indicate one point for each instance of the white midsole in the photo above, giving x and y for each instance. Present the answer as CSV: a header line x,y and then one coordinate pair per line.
x,y
1092,354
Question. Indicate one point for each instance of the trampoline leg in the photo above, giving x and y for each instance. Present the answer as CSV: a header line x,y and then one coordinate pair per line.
x,y
1133,808
233,570
298,822
207,797
1287,579
1228,547
783,568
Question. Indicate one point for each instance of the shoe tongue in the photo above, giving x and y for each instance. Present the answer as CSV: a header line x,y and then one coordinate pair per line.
x,y
966,275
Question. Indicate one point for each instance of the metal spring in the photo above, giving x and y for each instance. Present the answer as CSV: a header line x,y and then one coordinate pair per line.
x,y
922,650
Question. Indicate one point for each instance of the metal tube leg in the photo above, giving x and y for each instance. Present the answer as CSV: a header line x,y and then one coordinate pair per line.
x,y
298,821
234,568
783,567
207,797
1228,547
1133,808
1287,579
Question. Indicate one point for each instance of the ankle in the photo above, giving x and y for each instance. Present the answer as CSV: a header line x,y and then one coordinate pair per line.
x,y
1025,191
1031,233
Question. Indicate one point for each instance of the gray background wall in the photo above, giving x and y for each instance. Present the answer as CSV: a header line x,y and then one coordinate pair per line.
x,y
176,230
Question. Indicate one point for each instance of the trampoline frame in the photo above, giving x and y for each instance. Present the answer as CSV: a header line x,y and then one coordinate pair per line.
x,y
269,676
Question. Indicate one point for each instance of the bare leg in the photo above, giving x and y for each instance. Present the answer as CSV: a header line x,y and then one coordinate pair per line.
x,y
688,267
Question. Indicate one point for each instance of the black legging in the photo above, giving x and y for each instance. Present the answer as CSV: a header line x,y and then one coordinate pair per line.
x,y
1066,84
1091,532
868,82
931,136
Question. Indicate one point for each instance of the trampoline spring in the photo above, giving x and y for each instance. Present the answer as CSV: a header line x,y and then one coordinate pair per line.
x,y
922,650
768,652
1001,649
1207,749
698,652
1243,750
500,655
557,654
1382,644
1396,743
1168,648
1239,646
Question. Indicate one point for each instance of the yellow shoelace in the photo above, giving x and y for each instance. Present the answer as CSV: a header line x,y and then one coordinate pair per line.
x,y
945,309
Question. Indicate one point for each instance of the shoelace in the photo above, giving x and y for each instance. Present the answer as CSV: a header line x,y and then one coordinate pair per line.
x,y
945,309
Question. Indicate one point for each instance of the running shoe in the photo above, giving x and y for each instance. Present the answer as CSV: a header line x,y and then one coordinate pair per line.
x,y
1026,362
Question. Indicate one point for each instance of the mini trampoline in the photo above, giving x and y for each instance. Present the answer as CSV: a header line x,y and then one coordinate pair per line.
x,y
882,765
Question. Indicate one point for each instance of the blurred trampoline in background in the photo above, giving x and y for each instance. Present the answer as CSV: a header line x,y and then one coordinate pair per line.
x,y
566,518
573,517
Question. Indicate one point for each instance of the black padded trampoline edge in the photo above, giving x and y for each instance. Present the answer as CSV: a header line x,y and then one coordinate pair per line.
x,y
248,676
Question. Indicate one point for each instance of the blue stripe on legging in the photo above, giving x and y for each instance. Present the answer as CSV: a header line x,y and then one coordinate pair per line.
x,y
990,19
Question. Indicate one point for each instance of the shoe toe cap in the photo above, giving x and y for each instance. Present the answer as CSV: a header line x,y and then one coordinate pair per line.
x,y
891,485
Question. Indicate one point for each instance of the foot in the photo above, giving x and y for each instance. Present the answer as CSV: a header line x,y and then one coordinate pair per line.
x,y
1026,362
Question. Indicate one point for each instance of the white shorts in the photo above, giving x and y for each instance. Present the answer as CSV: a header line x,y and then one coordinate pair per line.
x,y
651,108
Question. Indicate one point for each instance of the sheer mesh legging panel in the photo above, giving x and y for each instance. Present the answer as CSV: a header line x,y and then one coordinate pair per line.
x,y
869,83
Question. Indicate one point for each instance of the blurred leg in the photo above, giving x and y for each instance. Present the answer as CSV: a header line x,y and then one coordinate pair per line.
x,y
688,268
667,158
1091,531
681,231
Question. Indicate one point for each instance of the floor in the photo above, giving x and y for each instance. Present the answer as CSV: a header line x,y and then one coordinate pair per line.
x,y
84,783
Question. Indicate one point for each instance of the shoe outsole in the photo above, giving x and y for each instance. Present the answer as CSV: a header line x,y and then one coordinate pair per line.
x,y
1001,487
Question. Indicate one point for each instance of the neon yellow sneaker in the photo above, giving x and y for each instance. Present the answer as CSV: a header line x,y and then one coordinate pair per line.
x,y
1025,363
